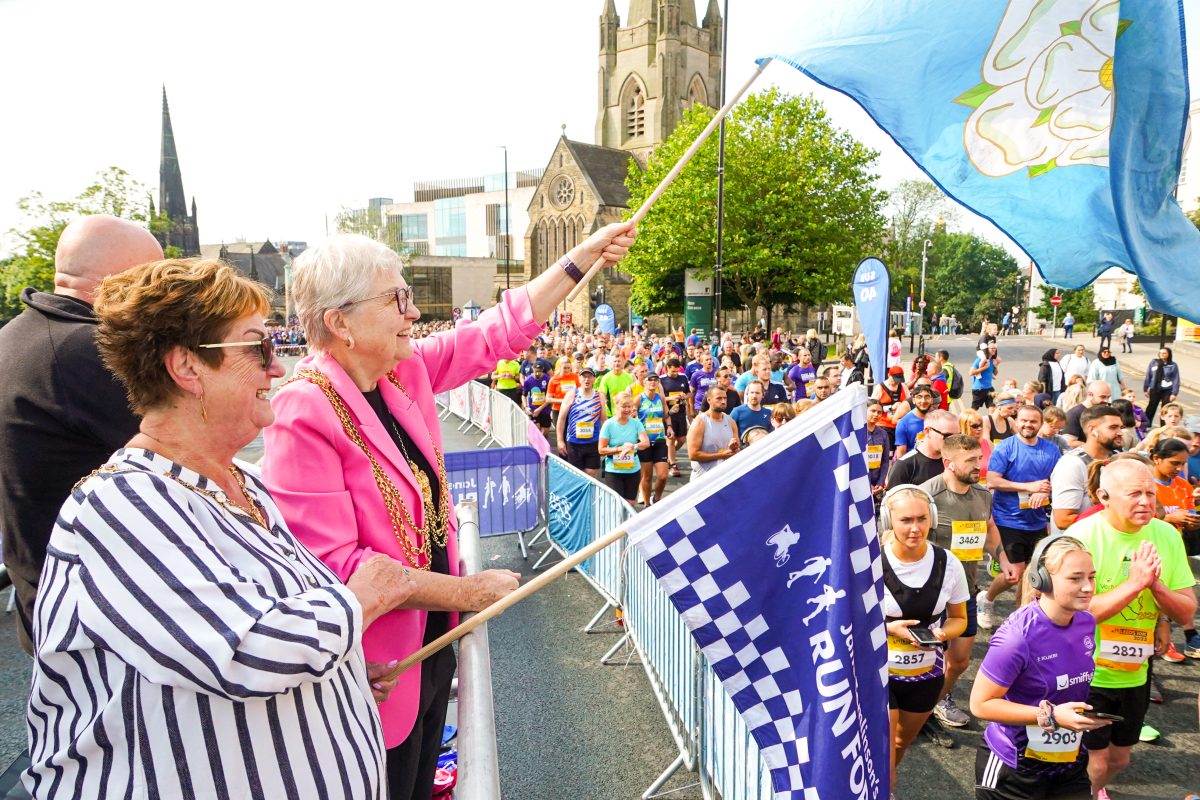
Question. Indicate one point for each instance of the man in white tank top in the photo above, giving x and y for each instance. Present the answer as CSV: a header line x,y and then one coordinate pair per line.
x,y
713,436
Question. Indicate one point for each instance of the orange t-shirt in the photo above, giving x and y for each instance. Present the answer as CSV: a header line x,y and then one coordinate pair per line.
x,y
558,387
1175,496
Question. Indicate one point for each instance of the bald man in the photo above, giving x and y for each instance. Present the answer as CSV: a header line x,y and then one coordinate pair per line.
x,y
62,414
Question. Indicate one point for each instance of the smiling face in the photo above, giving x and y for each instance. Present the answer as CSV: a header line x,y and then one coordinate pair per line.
x,y
382,336
1029,422
1074,582
235,393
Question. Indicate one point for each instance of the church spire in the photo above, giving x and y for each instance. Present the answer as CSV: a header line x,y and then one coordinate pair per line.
x,y
713,15
171,200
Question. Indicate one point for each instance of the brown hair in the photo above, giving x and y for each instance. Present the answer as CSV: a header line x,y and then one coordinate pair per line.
x,y
146,311
959,442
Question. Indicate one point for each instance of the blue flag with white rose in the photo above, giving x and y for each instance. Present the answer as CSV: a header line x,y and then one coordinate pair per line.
x,y
1061,121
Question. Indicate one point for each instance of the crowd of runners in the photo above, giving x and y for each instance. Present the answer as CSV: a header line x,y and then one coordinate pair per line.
x,y
1063,491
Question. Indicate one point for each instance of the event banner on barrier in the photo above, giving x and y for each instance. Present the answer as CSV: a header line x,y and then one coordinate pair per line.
x,y
571,500
504,483
784,600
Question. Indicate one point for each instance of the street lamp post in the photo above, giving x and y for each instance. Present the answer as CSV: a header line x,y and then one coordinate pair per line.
x,y
507,234
921,305
721,179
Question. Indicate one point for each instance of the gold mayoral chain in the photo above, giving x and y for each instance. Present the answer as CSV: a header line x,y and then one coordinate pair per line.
x,y
436,527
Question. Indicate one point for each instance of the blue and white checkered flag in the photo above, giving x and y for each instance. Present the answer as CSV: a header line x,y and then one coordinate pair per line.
x,y
773,562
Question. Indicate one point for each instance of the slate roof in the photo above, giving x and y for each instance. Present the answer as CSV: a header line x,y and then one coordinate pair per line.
x,y
606,167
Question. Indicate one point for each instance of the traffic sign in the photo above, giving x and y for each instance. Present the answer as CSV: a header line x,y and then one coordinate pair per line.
x,y
921,304
1056,300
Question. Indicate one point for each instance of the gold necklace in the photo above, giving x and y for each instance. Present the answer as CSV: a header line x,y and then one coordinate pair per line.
x,y
436,528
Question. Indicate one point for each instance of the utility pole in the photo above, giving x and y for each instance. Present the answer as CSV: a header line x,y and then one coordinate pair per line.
x,y
721,177
921,305
507,234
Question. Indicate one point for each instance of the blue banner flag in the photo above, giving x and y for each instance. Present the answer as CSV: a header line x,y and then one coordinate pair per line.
x,y
1061,121
570,512
504,482
872,295
784,599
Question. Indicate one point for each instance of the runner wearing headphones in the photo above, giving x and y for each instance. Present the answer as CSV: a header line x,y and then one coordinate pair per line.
x,y
924,600
1034,682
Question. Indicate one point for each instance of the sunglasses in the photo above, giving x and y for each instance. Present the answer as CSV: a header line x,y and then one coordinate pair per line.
x,y
403,298
265,345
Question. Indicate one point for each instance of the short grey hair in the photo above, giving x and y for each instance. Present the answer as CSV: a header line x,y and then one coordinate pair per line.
x,y
939,415
340,270
1118,472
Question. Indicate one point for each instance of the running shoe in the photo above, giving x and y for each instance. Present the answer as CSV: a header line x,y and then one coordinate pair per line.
x,y
1172,655
985,611
1148,734
938,735
1192,648
673,470
950,714
1156,695
1103,795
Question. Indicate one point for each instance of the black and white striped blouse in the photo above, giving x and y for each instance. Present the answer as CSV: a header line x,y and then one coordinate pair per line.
x,y
183,651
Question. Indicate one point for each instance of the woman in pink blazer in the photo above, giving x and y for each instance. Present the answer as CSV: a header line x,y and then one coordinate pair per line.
x,y
354,458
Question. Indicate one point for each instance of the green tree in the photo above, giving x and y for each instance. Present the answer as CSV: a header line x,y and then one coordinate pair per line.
x,y
113,192
917,211
1080,302
969,277
801,208
368,223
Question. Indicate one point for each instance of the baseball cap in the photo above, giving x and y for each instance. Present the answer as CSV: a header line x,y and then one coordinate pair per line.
x,y
577,355
652,376
1192,424
588,371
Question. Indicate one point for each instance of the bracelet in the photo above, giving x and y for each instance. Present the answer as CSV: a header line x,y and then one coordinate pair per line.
x,y
568,266
1045,716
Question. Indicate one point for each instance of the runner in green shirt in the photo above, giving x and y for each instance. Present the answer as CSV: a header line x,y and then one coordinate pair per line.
x,y
1142,573
613,383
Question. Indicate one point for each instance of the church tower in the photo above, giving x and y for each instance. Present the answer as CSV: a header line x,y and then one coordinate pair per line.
x,y
653,68
182,232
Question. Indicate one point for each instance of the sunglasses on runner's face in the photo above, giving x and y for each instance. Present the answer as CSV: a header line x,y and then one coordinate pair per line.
x,y
265,347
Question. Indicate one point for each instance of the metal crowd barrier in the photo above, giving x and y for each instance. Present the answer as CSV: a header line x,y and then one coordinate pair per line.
x,y
479,766
711,736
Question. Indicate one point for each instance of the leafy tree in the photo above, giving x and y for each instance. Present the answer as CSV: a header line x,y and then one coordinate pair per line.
x,y
113,192
801,208
918,211
1080,302
1195,217
969,277
368,223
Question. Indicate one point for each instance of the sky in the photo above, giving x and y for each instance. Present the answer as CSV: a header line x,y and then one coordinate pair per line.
x,y
285,112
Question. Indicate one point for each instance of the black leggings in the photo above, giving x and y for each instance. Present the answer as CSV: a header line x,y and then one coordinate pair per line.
x,y
625,483
1156,396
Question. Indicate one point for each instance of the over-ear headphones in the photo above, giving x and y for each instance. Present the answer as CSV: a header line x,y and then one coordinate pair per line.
x,y
1039,576
885,513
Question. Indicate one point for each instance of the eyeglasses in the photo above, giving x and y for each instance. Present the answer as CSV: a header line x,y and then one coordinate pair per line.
x,y
943,433
403,299
976,425
265,345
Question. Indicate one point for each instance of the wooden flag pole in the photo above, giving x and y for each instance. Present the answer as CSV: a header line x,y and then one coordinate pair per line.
x,y
675,170
500,606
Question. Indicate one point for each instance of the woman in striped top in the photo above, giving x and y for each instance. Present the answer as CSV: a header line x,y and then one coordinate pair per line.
x,y
186,644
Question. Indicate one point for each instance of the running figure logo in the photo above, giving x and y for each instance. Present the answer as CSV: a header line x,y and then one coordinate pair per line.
x,y
783,541
824,601
813,568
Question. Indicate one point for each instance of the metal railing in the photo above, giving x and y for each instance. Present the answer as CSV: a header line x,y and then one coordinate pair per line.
x,y
708,731
479,766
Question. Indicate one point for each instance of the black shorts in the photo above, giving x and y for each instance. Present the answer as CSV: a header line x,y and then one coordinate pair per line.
x,y
1128,703
543,419
995,780
624,483
972,614
679,424
916,697
981,398
1018,543
656,454
583,456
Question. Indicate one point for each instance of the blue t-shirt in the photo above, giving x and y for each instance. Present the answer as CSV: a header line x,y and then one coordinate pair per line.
x,y
652,416
743,381
747,418
984,379
1018,462
617,435
910,430
1193,468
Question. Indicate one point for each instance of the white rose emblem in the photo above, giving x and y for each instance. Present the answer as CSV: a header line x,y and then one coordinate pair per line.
x,y
1048,96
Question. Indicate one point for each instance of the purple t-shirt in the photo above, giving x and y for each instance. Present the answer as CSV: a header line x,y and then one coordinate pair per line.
x,y
1037,660
799,376
700,381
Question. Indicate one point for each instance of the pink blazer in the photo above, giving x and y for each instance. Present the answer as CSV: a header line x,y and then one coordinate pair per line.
x,y
323,484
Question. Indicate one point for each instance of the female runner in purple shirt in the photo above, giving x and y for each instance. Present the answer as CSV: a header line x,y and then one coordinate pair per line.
x,y
1034,680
